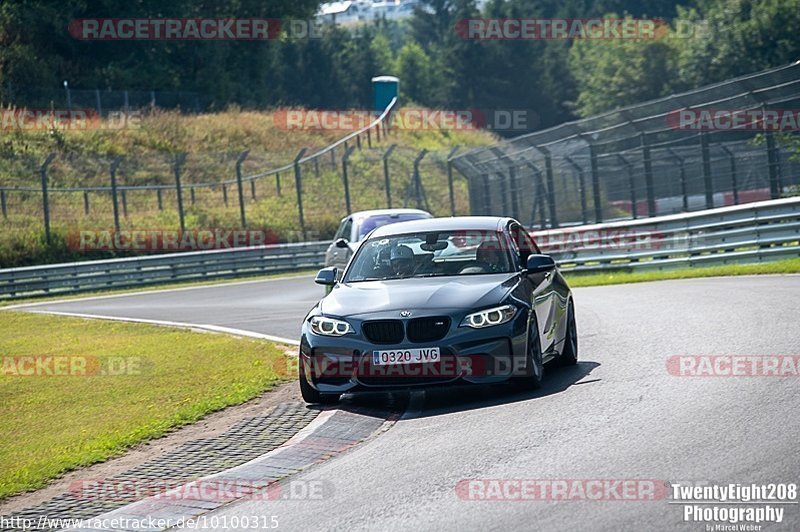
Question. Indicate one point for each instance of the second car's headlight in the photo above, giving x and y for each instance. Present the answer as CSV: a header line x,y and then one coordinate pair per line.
x,y
329,326
490,317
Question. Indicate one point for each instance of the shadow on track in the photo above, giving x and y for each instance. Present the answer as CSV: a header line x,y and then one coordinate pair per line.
x,y
462,398
455,398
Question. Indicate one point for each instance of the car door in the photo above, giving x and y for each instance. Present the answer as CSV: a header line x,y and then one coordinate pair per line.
x,y
542,289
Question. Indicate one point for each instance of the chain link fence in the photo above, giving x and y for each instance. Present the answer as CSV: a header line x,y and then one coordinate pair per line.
x,y
645,160
293,198
102,101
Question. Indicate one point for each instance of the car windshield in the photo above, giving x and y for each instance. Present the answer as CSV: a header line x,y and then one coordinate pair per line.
x,y
432,254
373,222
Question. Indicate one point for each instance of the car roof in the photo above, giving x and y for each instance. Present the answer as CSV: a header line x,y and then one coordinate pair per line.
x,y
456,223
384,212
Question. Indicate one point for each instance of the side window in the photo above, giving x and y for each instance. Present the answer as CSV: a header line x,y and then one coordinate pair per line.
x,y
344,229
530,244
523,243
347,230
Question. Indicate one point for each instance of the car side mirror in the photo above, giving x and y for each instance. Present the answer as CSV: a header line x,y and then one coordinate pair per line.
x,y
340,243
540,263
326,276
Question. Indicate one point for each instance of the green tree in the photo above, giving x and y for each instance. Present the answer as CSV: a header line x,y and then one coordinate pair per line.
x,y
616,73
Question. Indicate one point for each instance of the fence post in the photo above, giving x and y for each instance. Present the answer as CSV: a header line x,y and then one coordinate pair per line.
x,y
386,181
239,161
772,166
225,194
648,175
487,195
85,203
378,133
316,166
631,185
598,206
684,187
333,158
298,183
503,194
450,180
358,142
551,192
734,185
582,186
99,104
3,202
45,200
253,189
124,204
191,193
345,179
179,160
160,202
500,156
538,197
114,200
708,185
369,138
278,183
418,180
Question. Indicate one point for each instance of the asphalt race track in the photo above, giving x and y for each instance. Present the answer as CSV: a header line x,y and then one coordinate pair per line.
x,y
618,415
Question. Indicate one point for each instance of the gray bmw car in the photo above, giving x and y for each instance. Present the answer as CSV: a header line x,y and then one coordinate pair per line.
x,y
439,301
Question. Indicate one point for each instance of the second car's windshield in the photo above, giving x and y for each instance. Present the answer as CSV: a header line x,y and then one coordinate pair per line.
x,y
373,222
430,254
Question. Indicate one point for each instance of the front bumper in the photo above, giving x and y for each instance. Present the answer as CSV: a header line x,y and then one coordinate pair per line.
x,y
476,356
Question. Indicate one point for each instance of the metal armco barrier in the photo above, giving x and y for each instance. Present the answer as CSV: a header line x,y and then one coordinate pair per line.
x,y
76,277
753,232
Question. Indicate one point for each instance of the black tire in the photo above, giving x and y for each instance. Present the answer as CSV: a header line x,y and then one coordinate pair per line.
x,y
534,368
569,357
312,395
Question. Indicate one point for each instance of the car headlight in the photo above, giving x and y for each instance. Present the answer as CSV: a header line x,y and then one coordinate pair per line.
x,y
490,317
329,326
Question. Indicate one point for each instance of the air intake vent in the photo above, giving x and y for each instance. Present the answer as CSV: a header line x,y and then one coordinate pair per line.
x,y
428,329
384,332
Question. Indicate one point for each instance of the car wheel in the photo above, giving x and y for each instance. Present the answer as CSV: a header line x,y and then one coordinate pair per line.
x,y
312,395
534,368
569,357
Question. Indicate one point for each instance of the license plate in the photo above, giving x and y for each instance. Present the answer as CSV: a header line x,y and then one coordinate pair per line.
x,y
405,356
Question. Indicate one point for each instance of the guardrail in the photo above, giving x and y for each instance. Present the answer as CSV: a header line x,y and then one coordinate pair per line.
x,y
753,232
77,277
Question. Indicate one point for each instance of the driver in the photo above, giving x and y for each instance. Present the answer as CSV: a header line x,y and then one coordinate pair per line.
x,y
402,260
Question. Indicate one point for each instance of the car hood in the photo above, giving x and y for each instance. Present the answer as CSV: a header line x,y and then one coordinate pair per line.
x,y
466,291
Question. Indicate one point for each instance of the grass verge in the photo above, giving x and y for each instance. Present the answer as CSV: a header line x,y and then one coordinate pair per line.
x,y
128,383
577,280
